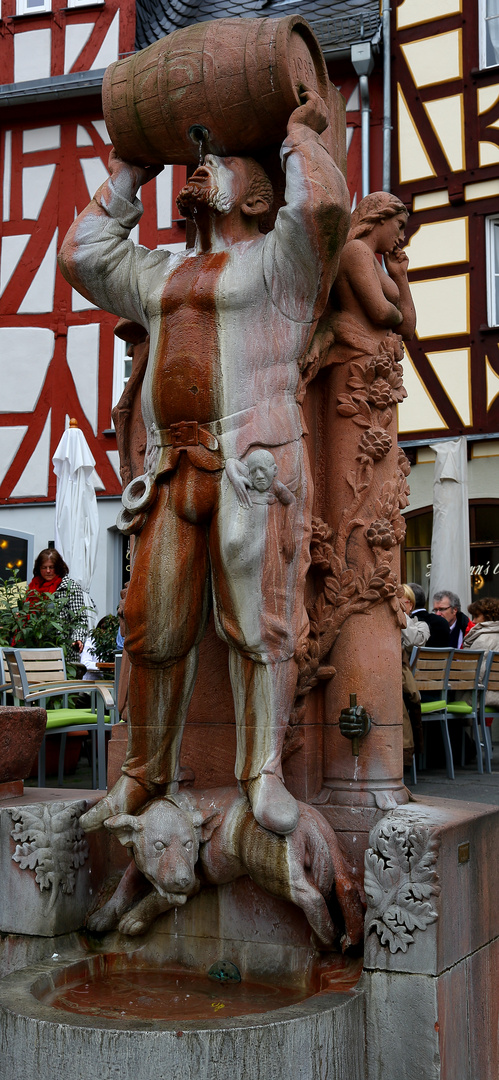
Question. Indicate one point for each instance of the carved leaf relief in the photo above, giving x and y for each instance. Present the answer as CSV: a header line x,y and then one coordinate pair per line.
x,y
50,841
400,881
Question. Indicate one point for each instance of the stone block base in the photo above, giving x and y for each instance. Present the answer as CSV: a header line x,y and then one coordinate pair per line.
x,y
432,943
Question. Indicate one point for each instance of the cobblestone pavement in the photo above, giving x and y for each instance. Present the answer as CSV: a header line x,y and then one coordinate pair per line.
x,y
468,785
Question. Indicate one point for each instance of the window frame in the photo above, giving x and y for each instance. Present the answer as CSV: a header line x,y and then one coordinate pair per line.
x,y
482,36
475,544
29,539
492,222
84,3
43,6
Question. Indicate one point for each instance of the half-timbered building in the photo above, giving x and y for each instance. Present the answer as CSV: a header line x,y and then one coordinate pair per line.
x,y
59,357
445,168
433,139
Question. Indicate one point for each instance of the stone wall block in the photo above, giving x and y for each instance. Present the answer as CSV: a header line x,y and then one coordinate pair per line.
x,y
466,918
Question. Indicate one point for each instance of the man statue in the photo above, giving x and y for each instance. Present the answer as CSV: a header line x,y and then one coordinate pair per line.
x,y
228,321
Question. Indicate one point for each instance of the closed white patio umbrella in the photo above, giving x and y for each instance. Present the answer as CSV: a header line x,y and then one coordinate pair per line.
x,y
450,541
76,514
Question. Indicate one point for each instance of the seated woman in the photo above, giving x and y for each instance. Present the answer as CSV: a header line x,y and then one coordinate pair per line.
x,y
414,633
484,635
51,575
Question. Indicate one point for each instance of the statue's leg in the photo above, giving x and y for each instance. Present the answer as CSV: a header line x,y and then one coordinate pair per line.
x,y
260,612
165,614
263,699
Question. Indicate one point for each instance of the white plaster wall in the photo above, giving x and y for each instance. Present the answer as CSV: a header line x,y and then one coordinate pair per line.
x,y
32,55
108,51
39,521
77,35
483,481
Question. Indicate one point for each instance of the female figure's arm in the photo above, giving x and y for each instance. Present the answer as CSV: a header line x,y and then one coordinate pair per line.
x,y
396,263
361,273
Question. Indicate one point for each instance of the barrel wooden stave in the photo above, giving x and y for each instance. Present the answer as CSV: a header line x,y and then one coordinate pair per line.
x,y
238,78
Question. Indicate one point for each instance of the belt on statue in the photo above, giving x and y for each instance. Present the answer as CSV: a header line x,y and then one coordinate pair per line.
x,y
184,434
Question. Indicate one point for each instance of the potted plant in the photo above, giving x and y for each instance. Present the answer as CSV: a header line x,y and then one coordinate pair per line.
x,y
103,639
43,620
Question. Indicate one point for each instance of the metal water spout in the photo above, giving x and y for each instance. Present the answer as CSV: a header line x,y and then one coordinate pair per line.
x,y
200,135
355,723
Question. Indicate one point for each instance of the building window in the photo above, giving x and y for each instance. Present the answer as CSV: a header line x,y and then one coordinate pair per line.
x,y
484,549
16,555
83,3
492,249
31,7
489,33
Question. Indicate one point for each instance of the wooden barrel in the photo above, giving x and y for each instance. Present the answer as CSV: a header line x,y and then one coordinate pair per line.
x,y
236,78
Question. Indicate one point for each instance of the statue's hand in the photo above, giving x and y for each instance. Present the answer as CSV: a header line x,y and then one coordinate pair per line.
x,y
238,475
396,263
128,178
312,112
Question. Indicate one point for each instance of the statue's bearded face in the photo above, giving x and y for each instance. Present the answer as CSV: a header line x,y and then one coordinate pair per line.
x,y
220,183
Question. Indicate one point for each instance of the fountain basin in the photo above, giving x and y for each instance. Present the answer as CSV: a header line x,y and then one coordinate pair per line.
x,y
111,1015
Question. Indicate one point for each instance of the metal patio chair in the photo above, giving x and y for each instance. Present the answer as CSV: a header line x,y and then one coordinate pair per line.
x,y
464,676
430,668
38,675
488,713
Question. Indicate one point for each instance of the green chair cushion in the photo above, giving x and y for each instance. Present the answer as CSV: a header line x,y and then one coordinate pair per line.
x,y
460,708
433,706
57,718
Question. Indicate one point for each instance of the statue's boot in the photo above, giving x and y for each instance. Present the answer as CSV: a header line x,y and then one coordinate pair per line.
x,y
273,806
126,797
263,699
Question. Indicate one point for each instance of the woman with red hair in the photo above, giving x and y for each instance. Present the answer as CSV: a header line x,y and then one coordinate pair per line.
x,y
51,575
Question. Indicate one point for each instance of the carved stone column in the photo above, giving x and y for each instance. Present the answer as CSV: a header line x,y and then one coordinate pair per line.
x,y
366,489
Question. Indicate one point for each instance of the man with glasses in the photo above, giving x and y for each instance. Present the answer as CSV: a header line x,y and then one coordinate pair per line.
x,y
448,605
439,627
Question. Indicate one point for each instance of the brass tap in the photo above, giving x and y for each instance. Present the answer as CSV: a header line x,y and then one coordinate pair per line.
x,y
355,723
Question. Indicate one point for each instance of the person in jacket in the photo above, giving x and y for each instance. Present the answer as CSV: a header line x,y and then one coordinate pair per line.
x,y
484,634
448,605
51,575
415,633
439,627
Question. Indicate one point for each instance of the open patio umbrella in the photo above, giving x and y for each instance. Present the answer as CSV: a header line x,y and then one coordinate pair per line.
x,y
76,514
450,541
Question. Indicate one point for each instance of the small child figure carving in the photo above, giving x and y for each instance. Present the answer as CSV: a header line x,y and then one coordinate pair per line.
x,y
255,481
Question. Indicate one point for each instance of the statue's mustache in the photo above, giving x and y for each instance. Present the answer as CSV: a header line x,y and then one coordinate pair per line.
x,y
193,194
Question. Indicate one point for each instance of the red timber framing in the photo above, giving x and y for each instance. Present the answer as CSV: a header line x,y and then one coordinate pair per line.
x,y
463,201
62,393
53,155
99,18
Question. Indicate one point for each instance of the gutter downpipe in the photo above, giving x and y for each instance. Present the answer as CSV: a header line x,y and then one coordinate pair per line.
x,y
363,62
365,113
387,101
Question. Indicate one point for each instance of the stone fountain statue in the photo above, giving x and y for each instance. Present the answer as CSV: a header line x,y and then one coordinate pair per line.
x,y
264,326
224,505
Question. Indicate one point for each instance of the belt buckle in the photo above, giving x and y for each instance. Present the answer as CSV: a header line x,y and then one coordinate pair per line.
x,y
184,433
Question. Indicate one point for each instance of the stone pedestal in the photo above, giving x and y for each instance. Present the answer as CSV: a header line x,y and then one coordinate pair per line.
x,y
432,943
21,735
49,868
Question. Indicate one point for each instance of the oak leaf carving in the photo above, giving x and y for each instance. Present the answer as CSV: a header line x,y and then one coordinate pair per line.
x,y
400,881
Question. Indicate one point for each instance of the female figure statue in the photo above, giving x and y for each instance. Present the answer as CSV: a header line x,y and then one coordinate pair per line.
x,y
371,314
371,303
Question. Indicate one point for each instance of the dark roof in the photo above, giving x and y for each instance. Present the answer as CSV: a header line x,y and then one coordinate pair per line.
x,y
337,23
